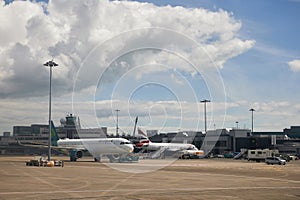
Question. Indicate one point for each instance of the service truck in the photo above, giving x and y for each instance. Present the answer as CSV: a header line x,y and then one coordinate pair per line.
x,y
261,154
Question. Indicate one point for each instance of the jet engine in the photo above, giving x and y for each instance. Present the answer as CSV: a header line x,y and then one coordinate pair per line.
x,y
114,158
75,154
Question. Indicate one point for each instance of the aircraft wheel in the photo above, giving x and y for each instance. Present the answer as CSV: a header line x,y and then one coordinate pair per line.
x,y
97,159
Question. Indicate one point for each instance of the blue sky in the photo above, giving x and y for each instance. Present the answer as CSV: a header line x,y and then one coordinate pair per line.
x,y
263,70
238,54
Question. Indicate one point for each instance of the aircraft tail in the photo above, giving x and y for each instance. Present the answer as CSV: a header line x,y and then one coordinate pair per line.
x,y
54,135
142,133
143,142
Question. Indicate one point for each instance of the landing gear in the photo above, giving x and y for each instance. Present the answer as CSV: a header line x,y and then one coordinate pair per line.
x,y
75,154
115,158
97,159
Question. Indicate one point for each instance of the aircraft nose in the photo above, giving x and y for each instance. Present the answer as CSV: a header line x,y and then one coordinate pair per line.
x,y
130,148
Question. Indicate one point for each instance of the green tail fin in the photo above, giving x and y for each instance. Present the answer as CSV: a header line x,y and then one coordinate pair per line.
x,y
54,135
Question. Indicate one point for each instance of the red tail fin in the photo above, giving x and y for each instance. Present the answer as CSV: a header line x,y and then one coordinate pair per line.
x,y
142,133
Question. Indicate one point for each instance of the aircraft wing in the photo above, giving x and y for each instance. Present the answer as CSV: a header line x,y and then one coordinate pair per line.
x,y
32,144
43,145
68,148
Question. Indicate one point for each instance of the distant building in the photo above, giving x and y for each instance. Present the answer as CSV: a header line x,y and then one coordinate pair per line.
x,y
222,141
216,141
239,139
293,132
6,134
151,133
219,141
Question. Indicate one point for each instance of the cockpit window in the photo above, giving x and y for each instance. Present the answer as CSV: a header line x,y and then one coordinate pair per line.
x,y
125,143
192,148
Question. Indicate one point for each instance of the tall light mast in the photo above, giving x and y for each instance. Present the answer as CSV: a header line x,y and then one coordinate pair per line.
x,y
50,64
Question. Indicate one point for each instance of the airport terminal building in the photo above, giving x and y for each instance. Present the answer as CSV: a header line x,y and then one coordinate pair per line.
x,y
223,141
215,142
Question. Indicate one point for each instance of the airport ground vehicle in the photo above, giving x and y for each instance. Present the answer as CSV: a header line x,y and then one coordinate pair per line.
x,y
190,154
287,157
261,154
275,160
33,162
42,161
293,157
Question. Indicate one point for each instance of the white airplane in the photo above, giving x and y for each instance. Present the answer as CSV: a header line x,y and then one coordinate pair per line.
x,y
116,149
185,150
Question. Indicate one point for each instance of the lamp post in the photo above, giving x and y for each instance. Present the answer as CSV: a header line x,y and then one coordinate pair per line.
x,y
50,64
205,101
237,124
252,110
117,125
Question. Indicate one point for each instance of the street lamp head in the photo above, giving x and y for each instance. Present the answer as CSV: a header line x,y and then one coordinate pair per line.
x,y
204,101
51,63
251,110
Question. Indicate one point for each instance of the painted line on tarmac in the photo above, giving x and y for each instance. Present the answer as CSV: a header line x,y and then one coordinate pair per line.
x,y
150,189
245,176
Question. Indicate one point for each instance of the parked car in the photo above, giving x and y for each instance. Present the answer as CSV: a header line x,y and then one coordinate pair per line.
x,y
293,157
275,160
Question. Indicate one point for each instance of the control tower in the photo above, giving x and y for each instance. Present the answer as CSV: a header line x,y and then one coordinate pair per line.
x,y
70,125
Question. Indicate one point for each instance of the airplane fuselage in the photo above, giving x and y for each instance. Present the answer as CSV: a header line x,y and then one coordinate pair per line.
x,y
98,146
169,146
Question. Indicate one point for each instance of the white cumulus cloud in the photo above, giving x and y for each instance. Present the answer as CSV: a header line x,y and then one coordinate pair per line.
x,y
118,39
31,33
294,65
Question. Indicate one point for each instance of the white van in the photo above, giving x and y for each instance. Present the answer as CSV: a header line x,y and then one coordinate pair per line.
x,y
275,160
261,154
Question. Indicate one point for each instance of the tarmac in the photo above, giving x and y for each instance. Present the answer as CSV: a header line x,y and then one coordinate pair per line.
x,y
149,179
